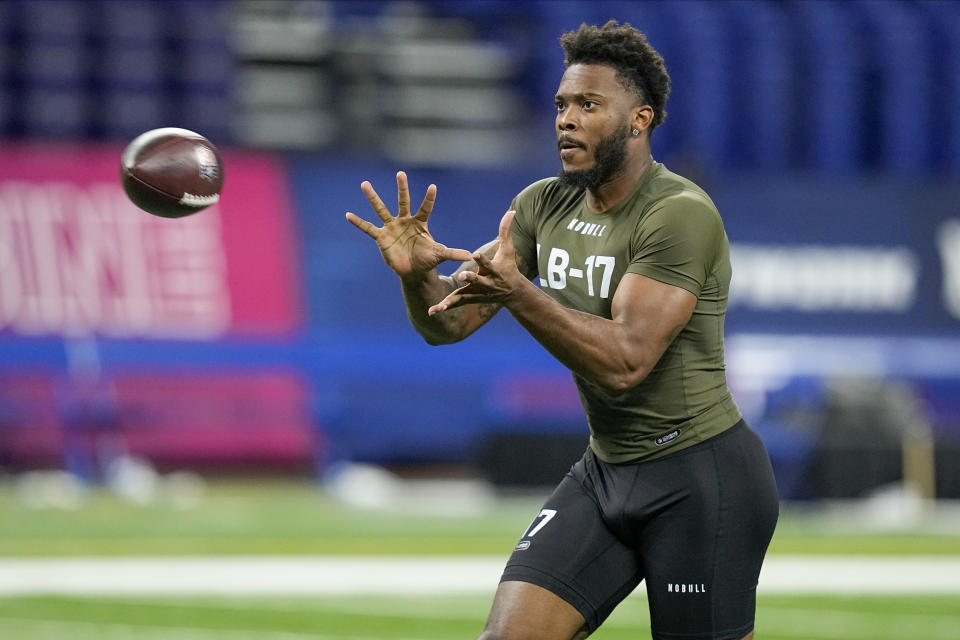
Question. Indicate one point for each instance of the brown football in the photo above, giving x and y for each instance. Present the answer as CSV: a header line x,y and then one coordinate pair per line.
x,y
171,172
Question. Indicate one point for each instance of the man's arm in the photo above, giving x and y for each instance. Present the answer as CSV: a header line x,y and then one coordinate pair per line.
x,y
411,252
422,290
420,294
617,353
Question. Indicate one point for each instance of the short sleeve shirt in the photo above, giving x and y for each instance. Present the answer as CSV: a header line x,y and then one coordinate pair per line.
x,y
666,229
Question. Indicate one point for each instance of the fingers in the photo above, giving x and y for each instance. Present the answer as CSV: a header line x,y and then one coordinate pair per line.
x,y
403,200
403,195
368,228
379,208
485,263
459,298
455,254
506,231
427,205
451,301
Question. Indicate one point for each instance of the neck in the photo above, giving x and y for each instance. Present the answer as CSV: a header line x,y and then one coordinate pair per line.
x,y
619,186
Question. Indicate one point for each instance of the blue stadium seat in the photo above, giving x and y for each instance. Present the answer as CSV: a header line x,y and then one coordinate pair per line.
x,y
898,48
125,113
55,19
702,87
943,28
762,87
55,64
134,21
6,69
829,89
55,112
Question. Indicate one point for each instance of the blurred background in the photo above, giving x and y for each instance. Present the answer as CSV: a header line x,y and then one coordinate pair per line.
x,y
263,340
265,335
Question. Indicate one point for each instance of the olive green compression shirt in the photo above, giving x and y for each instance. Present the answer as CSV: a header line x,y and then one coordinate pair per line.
x,y
667,229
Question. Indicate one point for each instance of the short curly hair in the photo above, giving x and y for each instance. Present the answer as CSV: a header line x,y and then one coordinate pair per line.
x,y
638,65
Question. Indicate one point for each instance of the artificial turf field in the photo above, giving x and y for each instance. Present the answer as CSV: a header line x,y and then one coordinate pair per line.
x,y
437,618
296,519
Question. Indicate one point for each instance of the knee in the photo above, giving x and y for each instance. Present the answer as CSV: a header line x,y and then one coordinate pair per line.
x,y
508,633
501,633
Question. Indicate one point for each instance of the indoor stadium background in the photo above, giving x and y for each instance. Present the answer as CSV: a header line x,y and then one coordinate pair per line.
x,y
244,385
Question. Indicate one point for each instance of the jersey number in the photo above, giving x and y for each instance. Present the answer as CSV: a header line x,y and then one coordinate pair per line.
x,y
558,271
547,515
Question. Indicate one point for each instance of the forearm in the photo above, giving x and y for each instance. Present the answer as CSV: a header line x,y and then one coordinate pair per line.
x,y
602,350
420,293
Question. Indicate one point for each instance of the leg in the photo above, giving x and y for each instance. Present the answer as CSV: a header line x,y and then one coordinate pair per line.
x,y
524,611
568,571
704,548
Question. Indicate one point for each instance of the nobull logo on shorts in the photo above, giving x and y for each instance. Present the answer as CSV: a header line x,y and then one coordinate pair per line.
x,y
673,587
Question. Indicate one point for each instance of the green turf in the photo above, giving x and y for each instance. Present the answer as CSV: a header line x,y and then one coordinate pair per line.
x,y
438,618
292,518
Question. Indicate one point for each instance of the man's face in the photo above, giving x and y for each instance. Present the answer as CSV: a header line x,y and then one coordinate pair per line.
x,y
592,124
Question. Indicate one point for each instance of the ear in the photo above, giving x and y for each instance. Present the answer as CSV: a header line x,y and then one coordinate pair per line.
x,y
642,117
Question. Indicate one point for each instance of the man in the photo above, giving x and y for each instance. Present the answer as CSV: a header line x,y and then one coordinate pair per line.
x,y
675,489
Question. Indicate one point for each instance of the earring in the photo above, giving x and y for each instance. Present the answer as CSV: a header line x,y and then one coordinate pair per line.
x,y
636,132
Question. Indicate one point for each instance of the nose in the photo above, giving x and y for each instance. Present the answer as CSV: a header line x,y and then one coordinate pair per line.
x,y
566,121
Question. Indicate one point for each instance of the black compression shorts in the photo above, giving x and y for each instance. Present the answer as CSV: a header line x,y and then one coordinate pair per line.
x,y
695,525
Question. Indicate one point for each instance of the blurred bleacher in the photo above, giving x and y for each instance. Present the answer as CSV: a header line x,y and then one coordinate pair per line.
x,y
828,133
808,86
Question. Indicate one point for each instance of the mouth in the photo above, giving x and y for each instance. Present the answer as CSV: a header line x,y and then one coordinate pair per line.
x,y
568,146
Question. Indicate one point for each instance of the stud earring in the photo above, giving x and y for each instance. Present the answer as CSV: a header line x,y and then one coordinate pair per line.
x,y
636,132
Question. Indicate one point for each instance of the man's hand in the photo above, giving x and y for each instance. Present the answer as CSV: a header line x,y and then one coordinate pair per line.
x,y
496,280
404,241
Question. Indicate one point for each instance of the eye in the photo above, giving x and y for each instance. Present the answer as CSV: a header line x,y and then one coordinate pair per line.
x,y
589,104
559,105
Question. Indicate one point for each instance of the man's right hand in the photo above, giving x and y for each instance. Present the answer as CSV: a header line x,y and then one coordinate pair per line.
x,y
404,241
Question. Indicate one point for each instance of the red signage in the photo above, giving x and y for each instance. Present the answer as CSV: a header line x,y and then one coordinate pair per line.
x,y
78,258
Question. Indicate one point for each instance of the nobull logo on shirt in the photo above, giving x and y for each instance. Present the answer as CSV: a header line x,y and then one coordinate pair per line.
x,y
586,228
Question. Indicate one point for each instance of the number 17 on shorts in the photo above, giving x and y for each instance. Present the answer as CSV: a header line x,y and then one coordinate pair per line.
x,y
545,516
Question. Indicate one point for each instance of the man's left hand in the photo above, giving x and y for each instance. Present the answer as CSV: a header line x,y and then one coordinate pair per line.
x,y
496,280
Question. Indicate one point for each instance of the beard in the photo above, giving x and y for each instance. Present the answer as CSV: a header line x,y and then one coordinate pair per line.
x,y
608,159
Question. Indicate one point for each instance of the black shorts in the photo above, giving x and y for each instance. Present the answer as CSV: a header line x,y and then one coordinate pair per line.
x,y
695,525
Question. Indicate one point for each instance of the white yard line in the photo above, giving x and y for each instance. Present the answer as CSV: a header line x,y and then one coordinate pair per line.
x,y
313,575
83,630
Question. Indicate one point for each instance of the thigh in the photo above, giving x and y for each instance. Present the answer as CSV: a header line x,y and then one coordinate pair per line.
x,y
703,552
525,610
569,551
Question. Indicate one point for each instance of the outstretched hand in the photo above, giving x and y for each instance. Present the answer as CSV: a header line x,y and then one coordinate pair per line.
x,y
404,241
496,280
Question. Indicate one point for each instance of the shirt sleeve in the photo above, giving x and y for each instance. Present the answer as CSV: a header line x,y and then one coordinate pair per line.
x,y
524,225
677,242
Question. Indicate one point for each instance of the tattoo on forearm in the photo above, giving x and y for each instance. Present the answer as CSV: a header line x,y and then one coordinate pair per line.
x,y
488,310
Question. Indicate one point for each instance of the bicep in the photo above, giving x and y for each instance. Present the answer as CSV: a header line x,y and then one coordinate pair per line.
x,y
651,313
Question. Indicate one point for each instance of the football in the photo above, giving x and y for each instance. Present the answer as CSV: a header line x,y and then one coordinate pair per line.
x,y
171,172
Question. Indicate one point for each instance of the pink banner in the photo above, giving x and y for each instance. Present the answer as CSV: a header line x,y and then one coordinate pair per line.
x,y
77,258
172,418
